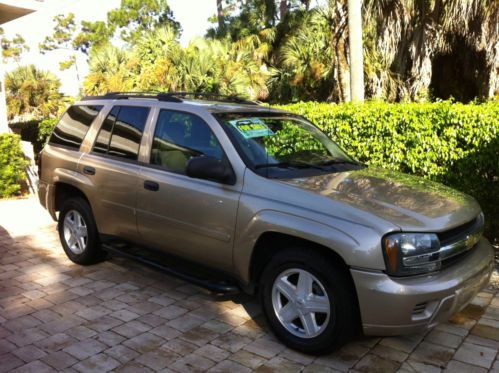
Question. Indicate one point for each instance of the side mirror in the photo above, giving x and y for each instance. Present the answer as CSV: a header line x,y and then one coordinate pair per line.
x,y
209,168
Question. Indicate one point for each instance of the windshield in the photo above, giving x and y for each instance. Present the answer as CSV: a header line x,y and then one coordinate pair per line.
x,y
282,141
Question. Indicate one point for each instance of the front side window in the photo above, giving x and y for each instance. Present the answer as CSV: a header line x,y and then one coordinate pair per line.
x,y
74,125
180,136
277,145
121,132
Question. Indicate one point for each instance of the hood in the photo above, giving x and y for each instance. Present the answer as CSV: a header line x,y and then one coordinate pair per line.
x,y
409,202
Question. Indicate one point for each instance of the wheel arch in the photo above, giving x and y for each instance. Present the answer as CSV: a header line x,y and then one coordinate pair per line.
x,y
63,191
271,243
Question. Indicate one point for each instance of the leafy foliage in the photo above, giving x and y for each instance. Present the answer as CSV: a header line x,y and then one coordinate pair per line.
x,y
12,48
452,143
158,62
45,128
12,165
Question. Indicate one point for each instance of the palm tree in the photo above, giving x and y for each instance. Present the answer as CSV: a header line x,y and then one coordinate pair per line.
x,y
413,38
111,70
32,94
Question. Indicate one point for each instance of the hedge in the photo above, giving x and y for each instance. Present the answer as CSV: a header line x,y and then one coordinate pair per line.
x,y
12,165
453,143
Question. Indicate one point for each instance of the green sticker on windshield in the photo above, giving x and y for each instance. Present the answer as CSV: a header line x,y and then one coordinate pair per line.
x,y
251,127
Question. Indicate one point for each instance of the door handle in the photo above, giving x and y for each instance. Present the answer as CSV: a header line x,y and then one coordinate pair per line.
x,y
89,170
151,185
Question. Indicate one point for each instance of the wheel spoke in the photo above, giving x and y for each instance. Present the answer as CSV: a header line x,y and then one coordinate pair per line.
x,y
288,313
80,223
69,222
81,244
71,241
304,287
317,304
286,289
309,324
75,231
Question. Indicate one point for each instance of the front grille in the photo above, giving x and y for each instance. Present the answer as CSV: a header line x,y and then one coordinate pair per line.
x,y
462,239
457,233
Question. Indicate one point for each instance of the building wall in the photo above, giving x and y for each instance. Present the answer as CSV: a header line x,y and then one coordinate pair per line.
x,y
9,11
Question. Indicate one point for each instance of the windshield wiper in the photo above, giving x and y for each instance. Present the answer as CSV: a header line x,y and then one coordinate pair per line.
x,y
293,164
334,161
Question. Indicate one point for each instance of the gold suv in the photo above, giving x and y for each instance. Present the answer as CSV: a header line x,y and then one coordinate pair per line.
x,y
233,195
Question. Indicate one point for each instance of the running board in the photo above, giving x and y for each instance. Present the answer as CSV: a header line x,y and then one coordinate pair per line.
x,y
220,287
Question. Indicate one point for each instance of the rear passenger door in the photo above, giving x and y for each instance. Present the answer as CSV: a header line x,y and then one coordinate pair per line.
x,y
113,170
188,217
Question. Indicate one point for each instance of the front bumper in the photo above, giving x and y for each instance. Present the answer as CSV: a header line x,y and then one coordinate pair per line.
x,y
395,306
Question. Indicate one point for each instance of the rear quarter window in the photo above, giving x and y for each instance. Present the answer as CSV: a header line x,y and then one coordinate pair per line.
x,y
74,125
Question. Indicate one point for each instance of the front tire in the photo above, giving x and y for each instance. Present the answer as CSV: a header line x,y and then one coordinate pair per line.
x,y
308,301
78,232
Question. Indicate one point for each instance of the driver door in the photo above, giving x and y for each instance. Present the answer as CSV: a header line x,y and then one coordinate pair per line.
x,y
191,218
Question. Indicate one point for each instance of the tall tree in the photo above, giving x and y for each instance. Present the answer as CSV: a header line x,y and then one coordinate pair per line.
x,y
134,17
63,38
243,18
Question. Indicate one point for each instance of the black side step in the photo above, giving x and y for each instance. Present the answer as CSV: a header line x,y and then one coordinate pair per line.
x,y
220,287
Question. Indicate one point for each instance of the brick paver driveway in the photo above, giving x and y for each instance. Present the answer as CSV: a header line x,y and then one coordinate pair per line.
x,y
118,315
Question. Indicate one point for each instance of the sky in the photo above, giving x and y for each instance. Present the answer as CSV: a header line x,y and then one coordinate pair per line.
x,y
192,14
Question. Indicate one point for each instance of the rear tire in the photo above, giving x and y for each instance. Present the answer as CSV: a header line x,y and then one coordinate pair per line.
x,y
78,232
309,301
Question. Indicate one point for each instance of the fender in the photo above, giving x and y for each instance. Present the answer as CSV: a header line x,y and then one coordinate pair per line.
x,y
352,249
69,177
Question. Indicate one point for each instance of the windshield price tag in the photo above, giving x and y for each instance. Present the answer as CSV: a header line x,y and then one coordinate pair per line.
x,y
251,127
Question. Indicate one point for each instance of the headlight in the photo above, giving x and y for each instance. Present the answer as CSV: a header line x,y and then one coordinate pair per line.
x,y
411,253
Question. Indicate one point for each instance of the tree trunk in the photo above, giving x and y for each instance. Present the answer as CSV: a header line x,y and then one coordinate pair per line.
x,y
355,46
344,78
283,9
220,14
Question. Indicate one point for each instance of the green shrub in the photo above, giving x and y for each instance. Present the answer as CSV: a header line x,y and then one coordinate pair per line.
x,y
452,143
45,128
12,165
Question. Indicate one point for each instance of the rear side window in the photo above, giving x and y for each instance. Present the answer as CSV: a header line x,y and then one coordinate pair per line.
x,y
73,126
121,132
102,142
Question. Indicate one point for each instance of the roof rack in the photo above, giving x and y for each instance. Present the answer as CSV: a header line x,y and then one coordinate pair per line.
x,y
170,97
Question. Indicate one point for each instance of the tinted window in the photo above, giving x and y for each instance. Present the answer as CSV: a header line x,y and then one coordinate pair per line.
x,y
73,126
125,125
102,143
180,136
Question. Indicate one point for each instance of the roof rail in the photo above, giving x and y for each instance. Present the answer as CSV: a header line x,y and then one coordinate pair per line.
x,y
127,95
170,96
214,96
